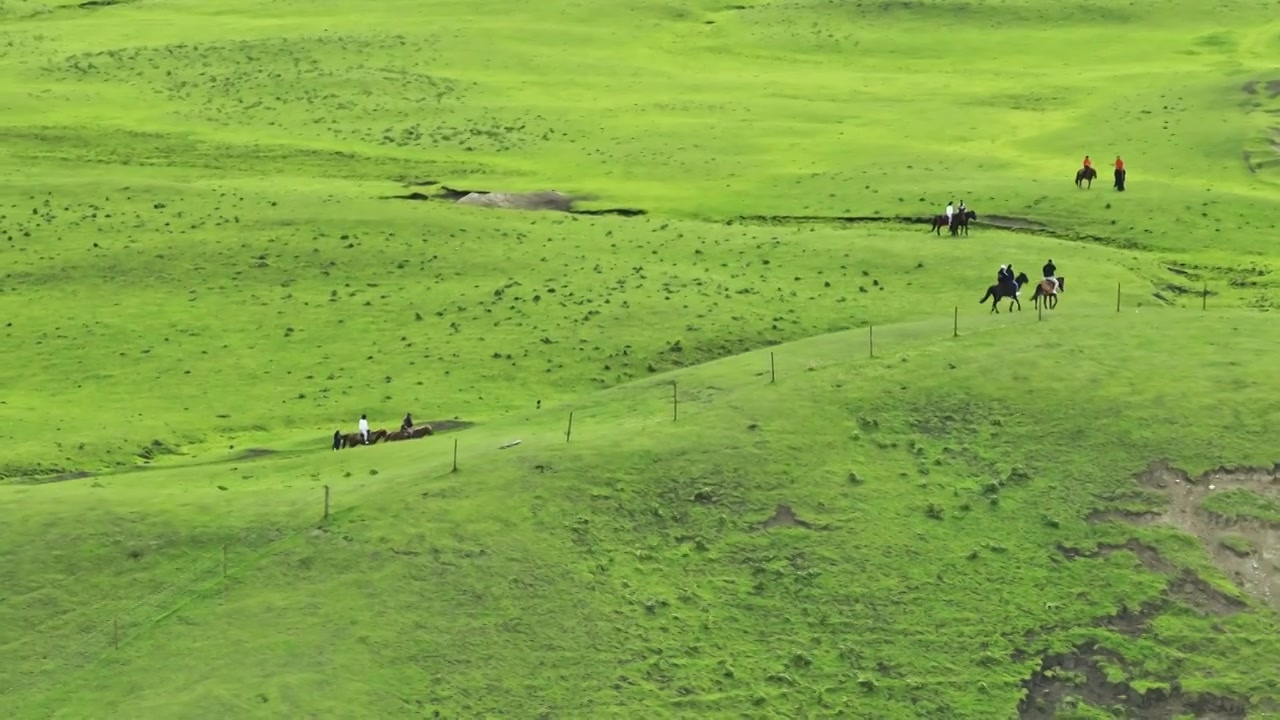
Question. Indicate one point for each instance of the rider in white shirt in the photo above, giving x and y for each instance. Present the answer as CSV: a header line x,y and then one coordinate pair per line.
x,y
364,428
951,210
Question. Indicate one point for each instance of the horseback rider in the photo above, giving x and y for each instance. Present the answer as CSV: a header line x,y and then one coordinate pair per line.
x,y
951,210
407,423
1051,274
1087,162
962,208
1006,279
364,428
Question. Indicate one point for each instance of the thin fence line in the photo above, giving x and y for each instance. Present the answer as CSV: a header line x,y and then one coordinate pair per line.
x,y
184,588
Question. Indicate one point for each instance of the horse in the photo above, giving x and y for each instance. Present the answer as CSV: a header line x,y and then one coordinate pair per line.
x,y
1086,173
413,433
956,220
961,220
999,292
354,439
1045,291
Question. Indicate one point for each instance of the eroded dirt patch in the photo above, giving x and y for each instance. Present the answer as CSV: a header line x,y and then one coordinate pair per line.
x,y
543,200
1183,585
1247,550
442,426
1015,223
784,516
1068,679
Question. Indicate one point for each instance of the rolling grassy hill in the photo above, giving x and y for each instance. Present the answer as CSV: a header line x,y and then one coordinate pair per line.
x,y
208,269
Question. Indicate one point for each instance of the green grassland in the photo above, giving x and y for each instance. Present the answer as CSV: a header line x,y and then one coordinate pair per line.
x,y
206,273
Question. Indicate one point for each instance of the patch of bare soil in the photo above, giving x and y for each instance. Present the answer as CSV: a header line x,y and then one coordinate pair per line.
x,y
1133,623
1247,551
1078,677
1183,585
442,426
1013,223
550,200
785,517
60,477
545,200
252,453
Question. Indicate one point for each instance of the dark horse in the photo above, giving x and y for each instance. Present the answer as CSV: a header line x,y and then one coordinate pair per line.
x,y
999,292
958,221
1050,297
1086,174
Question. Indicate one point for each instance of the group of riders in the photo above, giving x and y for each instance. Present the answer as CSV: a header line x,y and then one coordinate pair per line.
x,y
1006,279
406,425
1119,171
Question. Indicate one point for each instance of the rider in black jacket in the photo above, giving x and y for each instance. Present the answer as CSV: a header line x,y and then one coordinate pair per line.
x,y
1051,273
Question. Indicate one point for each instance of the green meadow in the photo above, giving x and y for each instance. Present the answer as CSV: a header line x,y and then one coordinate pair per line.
x,y
755,451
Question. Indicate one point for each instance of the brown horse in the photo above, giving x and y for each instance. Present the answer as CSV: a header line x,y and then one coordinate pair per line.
x,y
1046,292
1086,174
354,439
413,433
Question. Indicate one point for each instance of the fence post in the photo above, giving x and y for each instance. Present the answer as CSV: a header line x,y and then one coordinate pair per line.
x,y
1204,296
326,502
224,562
115,633
455,455
773,369
955,323
568,431
1039,312
675,402
871,341
1117,297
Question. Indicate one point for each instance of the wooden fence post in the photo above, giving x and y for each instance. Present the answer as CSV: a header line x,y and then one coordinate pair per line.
x,y
675,402
569,431
1204,297
455,455
326,502
1117,297
871,341
955,323
773,369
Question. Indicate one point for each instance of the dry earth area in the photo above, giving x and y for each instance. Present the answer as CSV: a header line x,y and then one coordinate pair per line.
x,y
1254,564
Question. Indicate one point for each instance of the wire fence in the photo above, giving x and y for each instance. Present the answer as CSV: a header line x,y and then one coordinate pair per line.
x,y
72,642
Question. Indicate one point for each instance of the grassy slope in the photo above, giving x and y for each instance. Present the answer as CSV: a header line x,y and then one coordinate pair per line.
x,y
267,135
625,571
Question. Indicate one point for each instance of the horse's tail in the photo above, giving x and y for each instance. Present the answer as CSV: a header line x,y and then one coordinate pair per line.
x,y
984,297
